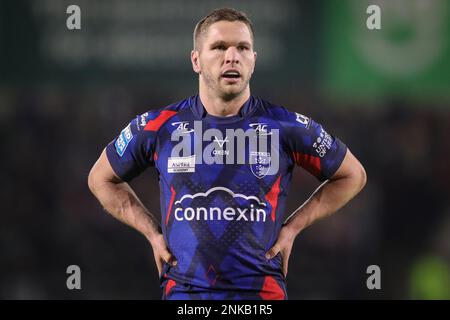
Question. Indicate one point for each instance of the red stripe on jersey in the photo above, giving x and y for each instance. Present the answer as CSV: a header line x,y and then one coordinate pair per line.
x,y
212,275
155,156
172,197
309,162
170,285
272,197
155,124
271,290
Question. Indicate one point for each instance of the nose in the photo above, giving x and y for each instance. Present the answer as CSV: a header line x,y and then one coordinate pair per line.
x,y
231,55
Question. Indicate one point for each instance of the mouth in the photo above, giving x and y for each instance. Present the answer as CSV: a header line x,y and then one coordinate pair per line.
x,y
231,74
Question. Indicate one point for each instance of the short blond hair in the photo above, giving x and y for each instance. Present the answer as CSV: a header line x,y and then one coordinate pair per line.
x,y
223,14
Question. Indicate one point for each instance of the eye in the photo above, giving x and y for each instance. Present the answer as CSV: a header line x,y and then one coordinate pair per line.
x,y
220,47
242,48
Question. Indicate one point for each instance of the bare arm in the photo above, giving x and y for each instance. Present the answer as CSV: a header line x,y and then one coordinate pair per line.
x,y
118,199
332,195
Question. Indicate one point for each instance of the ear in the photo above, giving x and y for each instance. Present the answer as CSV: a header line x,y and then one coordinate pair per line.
x,y
254,62
195,61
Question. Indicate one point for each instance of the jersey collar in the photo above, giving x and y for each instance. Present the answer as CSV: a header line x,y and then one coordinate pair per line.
x,y
200,112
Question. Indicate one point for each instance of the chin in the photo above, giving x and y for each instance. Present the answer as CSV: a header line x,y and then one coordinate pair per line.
x,y
230,94
233,90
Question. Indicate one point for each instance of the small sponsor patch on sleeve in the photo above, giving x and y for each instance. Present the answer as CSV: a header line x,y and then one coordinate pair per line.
x,y
143,119
123,140
323,143
303,120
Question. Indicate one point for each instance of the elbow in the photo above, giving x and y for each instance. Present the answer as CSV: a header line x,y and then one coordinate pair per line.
x,y
361,177
92,181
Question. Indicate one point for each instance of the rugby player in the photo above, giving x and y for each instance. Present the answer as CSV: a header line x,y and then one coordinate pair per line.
x,y
224,160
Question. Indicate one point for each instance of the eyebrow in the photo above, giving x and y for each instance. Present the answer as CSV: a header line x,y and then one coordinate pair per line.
x,y
224,43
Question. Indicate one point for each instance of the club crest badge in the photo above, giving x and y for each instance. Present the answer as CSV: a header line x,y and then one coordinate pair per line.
x,y
260,163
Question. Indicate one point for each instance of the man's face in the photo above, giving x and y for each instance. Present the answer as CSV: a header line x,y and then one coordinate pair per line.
x,y
225,58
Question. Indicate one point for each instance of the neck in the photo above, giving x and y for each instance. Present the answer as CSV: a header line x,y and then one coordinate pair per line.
x,y
221,107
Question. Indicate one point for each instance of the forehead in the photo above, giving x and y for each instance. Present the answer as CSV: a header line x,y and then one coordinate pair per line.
x,y
228,31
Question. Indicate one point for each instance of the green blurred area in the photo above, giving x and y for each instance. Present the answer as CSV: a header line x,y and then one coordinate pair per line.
x,y
430,279
408,57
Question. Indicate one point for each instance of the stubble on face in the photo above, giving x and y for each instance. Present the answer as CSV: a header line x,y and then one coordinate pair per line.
x,y
224,91
213,61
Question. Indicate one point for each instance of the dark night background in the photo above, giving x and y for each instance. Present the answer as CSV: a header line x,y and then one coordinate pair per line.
x,y
65,94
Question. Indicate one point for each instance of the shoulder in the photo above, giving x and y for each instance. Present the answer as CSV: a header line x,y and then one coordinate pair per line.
x,y
284,116
154,119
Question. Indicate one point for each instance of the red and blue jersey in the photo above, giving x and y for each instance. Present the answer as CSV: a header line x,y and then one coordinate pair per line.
x,y
223,187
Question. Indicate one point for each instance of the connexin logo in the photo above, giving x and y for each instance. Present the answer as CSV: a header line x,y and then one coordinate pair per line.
x,y
252,212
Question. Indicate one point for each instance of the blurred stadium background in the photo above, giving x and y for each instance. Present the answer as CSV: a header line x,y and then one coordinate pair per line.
x,y
65,94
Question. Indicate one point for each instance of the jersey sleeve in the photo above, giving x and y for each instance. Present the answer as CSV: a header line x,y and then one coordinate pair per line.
x,y
133,150
312,147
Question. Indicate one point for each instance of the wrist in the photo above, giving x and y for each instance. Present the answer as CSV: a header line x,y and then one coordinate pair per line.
x,y
291,230
153,234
